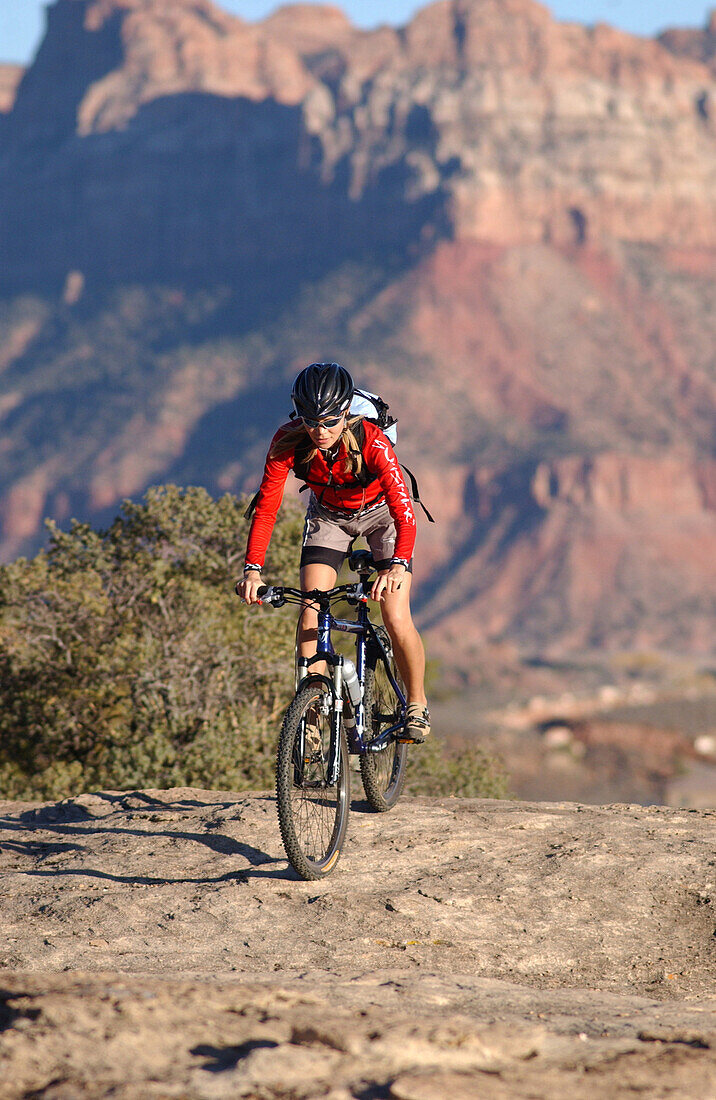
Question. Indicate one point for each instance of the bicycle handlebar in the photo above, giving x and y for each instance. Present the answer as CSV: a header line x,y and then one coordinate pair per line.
x,y
277,595
360,561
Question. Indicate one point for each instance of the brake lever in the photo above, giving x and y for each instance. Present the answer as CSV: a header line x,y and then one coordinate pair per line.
x,y
270,596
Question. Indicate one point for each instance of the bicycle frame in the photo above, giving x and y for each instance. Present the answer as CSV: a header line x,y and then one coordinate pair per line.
x,y
363,629
313,777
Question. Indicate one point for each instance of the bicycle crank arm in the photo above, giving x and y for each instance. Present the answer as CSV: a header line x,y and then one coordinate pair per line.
x,y
379,743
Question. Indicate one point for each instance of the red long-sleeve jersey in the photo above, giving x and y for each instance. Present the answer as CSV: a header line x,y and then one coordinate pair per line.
x,y
337,489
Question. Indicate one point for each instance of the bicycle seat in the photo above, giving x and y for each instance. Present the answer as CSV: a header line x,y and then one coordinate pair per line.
x,y
361,561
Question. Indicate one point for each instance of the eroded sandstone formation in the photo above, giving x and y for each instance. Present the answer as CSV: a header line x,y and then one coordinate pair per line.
x,y
10,76
699,45
504,223
482,119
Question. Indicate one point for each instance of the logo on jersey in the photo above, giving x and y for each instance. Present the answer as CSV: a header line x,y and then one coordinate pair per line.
x,y
404,502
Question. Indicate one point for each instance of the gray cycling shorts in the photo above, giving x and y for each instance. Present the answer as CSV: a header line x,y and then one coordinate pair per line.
x,y
327,535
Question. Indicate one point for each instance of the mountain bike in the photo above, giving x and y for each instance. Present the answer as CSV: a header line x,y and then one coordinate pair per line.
x,y
351,708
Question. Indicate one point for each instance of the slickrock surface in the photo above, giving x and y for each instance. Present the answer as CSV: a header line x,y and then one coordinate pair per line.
x,y
156,944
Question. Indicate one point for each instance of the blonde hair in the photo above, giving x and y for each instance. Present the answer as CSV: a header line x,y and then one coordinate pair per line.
x,y
297,433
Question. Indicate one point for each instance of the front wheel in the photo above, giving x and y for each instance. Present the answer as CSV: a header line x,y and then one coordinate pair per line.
x,y
312,812
383,773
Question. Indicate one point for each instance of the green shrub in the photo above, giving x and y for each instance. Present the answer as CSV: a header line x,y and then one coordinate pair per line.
x,y
468,772
126,660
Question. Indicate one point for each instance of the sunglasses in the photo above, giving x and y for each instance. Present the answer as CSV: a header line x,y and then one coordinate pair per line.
x,y
329,422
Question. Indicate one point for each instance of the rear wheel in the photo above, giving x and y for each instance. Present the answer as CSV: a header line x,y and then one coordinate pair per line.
x,y
312,812
383,773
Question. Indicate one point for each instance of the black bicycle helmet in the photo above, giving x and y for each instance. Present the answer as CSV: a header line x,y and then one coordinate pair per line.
x,y
323,389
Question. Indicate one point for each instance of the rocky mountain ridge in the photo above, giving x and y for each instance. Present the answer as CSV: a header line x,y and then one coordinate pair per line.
x,y
505,224
699,45
10,76
493,117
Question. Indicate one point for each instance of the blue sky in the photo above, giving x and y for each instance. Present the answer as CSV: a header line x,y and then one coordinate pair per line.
x,y
21,21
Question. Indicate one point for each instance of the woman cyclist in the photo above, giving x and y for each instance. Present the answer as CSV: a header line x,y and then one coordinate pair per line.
x,y
357,488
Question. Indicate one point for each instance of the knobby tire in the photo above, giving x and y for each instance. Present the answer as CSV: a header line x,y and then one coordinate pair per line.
x,y
312,816
383,773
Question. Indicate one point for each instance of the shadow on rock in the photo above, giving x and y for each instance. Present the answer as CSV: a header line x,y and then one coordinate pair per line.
x,y
73,818
223,1058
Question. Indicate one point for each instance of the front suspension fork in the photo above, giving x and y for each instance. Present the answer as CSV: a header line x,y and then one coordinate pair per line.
x,y
334,756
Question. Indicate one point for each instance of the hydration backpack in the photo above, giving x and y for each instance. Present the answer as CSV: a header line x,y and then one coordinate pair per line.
x,y
374,408
368,406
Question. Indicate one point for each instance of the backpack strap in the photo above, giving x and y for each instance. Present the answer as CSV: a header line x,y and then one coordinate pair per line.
x,y
302,470
252,505
364,479
384,421
302,466
415,491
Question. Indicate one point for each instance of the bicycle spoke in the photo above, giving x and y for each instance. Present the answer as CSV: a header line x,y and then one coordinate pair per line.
x,y
312,812
383,773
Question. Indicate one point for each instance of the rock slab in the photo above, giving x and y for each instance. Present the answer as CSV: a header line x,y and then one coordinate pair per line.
x,y
156,943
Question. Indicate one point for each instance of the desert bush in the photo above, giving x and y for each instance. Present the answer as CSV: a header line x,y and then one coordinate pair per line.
x,y
126,660
469,772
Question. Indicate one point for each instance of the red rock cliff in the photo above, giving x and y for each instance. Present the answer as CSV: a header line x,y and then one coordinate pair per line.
x,y
505,223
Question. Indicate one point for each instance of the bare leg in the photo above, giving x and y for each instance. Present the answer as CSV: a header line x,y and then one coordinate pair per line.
x,y
407,644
